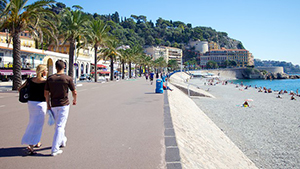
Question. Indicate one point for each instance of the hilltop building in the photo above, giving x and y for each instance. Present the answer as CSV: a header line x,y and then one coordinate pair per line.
x,y
200,46
210,52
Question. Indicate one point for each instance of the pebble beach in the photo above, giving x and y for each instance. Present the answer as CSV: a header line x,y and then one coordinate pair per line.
x,y
267,131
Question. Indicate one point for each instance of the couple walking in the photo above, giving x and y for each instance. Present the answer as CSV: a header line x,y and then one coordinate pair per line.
x,y
50,94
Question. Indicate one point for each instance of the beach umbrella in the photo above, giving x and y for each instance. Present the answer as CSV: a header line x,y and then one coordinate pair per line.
x,y
249,100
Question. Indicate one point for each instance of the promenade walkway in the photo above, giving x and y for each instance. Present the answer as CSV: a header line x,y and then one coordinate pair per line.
x,y
115,125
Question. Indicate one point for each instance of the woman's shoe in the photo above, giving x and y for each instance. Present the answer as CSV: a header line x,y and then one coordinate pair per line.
x,y
38,145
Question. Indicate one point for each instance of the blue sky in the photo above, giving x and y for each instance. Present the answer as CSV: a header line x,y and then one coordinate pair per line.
x,y
269,29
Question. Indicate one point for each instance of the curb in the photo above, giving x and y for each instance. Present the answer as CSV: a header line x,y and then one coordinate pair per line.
x,y
172,155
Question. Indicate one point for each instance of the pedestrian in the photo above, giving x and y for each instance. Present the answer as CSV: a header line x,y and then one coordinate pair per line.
x,y
37,108
151,77
56,94
146,76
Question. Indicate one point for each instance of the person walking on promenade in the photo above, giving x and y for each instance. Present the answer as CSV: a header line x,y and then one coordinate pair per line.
x,y
56,92
151,77
37,108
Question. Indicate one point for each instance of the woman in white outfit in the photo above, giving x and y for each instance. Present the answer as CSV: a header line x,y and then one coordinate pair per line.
x,y
37,108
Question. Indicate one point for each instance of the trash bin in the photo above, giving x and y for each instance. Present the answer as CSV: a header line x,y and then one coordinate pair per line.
x,y
159,86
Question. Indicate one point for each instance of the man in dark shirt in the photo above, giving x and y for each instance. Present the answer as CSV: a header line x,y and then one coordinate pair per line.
x,y
56,93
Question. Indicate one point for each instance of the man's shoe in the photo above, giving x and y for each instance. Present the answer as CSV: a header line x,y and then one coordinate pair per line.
x,y
56,153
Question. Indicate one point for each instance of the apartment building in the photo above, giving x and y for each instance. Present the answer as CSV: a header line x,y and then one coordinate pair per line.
x,y
168,53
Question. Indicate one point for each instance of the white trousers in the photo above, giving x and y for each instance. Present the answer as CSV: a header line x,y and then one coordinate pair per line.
x,y
60,115
37,112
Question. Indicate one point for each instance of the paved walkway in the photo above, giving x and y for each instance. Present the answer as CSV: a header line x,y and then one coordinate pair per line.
x,y
115,125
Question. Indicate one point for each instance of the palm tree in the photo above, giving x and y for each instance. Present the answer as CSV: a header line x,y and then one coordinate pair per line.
x,y
98,35
74,25
2,5
45,29
111,52
144,61
134,54
160,63
18,17
173,64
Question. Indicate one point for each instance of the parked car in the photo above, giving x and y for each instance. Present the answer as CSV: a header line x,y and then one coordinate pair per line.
x,y
85,77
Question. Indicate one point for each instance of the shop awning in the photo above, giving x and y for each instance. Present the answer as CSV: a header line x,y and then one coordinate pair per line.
x,y
101,72
100,66
9,72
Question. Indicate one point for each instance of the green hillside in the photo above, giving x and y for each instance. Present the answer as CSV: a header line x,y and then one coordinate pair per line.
x,y
137,30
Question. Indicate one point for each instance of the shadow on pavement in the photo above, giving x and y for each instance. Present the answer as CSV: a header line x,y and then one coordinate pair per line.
x,y
20,151
152,93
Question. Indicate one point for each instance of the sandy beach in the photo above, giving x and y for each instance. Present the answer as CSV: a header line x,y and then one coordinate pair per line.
x,y
267,132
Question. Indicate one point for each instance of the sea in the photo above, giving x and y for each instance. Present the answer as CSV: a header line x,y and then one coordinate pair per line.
x,y
275,84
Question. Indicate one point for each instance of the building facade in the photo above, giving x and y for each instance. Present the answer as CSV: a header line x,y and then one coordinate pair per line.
x,y
31,57
168,53
242,57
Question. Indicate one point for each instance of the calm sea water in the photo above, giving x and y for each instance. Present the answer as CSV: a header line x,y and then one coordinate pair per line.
x,y
283,84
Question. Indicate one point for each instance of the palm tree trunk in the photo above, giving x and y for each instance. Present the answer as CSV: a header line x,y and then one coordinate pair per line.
x,y
71,57
123,70
129,69
95,67
140,70
17,77
111,68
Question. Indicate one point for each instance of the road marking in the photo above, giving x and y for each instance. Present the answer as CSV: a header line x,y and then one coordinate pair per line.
x,y
94,88
2,106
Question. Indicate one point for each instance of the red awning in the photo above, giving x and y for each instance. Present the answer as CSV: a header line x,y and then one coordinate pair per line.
x,y
101,72
104,72
100,66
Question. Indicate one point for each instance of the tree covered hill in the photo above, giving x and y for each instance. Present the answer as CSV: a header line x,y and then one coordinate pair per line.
x,y
137,30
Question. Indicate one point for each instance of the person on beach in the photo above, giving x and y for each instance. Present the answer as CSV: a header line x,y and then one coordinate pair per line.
x,y
245,104
293,98
56,94
37,108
